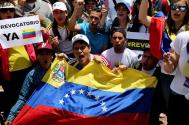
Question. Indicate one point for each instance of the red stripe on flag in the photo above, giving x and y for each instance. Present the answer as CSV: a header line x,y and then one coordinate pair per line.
x,y
156,33
29,36
47,115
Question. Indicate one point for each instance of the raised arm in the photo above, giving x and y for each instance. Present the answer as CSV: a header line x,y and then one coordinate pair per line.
x,y
78,9
143,17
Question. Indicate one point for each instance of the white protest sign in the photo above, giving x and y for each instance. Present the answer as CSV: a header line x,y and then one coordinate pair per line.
x,y
20,31
137,40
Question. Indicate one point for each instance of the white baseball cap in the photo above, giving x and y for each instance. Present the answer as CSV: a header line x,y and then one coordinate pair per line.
x,y
7,5
59,6
125,3
80,37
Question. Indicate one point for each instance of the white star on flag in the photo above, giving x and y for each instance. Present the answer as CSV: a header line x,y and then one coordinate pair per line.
x,y
81,91
102,103
66,96
73,92
104,108
89,93
97,98
61,101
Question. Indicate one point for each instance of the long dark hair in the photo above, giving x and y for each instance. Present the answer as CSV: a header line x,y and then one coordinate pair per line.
x,y
136,23
171,23
55,28
56,32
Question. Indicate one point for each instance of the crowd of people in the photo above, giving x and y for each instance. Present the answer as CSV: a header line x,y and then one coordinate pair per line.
x,y
86,30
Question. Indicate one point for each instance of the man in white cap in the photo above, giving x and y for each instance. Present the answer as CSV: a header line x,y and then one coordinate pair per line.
x,y
81,51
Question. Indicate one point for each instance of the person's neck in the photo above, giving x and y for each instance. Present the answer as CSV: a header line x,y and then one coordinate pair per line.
x,y
61,24
118,51
93,29
123,23
150,72
178,25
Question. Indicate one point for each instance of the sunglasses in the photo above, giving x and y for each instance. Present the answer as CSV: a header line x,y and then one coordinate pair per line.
x,y
4,10
179,8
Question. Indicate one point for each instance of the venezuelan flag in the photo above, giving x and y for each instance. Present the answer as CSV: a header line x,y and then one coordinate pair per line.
x,y
93,96
28,33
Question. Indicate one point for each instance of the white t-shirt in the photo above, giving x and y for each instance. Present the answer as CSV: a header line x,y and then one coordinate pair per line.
x,y
127,58
179,45
65,45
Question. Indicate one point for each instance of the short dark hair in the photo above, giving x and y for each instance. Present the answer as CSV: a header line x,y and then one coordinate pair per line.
x,y
87,1
119,29
97,10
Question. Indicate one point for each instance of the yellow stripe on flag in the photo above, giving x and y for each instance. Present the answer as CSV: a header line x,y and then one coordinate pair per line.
x,y
51,77
100,77
28,30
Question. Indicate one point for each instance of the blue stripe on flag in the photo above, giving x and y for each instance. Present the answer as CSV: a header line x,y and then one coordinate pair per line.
x,y
92,102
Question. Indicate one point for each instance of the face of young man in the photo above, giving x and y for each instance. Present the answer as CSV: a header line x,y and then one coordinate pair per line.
x,y
45,58
60,16
148,61
118,41
81,51
94,18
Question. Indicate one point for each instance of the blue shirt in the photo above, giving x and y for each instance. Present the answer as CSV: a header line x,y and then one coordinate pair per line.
x,y
31,82
97,40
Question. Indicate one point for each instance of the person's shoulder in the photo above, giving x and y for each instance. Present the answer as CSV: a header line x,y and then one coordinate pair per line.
x,y
44,1
127,50
72,61
184,34
182,38
32,71
104,60
107,50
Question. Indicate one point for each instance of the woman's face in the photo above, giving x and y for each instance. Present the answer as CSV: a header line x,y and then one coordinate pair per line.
x,y
60,16
122,12
178,11
7,13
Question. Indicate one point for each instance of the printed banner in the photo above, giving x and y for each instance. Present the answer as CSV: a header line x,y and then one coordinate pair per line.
x,y
138,41
20,31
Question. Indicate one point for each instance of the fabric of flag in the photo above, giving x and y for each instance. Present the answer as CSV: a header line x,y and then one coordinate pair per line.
x,y
93,95
28,33
157,27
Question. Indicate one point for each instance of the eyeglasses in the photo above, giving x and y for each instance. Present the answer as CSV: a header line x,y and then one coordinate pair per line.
x,y
4,10
179,8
